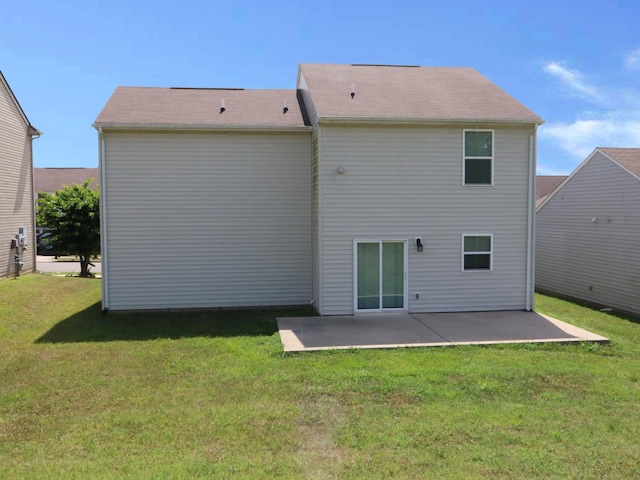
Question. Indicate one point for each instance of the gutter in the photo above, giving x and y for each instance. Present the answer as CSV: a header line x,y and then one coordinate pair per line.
x,y
103,222
224,128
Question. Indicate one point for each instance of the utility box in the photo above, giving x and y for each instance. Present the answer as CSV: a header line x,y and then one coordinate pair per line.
x,y
22,236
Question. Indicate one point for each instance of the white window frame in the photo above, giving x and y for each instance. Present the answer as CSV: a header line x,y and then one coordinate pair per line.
x,y
490,252
465,157
405,274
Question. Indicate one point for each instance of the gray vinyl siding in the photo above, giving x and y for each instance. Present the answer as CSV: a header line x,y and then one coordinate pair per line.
x,y
308,102
207,219
573,253
16,185
404,182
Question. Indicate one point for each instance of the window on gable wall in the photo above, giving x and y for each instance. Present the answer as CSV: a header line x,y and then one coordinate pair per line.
x,y
478,157
477,252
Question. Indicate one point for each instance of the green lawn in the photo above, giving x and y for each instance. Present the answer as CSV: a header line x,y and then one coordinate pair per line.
x,y
210,395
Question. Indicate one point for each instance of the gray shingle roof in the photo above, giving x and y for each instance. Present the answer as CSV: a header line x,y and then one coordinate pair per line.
x,y
381,92
627,157
50,180
201,107
546,184
421,93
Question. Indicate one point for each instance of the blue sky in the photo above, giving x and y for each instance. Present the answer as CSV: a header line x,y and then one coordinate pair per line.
x,y
574,63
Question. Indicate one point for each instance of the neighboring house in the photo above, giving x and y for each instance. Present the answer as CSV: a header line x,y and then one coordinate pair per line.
x,y
16,183
588,232
368,188
50,180
545,184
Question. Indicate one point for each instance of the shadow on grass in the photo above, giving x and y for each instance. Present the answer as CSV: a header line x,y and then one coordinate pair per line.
x,y
91,325
596,307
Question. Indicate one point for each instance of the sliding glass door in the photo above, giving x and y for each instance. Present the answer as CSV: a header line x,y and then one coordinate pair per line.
x,y
380,275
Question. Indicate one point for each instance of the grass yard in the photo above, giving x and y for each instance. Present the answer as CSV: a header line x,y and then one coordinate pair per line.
x,y
210,395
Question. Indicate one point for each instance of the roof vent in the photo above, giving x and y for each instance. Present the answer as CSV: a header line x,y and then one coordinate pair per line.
x,y
353,90
285,109
222,109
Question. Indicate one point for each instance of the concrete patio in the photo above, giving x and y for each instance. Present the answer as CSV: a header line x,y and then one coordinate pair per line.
x,y
388,330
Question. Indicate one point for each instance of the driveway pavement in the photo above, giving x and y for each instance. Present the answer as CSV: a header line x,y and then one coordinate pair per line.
x,y
426,329
50,264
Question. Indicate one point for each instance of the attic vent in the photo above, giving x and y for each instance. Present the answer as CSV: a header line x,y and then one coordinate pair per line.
x,y
197,88
381,65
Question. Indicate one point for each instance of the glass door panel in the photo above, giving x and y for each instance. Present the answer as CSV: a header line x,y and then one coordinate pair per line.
x,y
380,275
368,276
392,275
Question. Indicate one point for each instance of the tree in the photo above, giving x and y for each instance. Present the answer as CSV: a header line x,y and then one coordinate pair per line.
x,y
72,215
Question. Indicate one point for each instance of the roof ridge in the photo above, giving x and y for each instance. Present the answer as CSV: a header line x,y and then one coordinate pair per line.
x,y
382,65
206,88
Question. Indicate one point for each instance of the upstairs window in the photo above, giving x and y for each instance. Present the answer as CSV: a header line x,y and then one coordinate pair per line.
x,y
478,157
477,252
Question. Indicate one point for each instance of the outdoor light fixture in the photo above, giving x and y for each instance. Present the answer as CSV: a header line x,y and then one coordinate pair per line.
x,y
419,245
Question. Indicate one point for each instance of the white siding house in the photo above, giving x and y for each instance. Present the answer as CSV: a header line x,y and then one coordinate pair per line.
x,y
211,214
588,231
320,194
404,182
16,183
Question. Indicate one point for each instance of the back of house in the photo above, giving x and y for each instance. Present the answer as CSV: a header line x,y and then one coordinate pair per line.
x,y
367,188
588,229
17,224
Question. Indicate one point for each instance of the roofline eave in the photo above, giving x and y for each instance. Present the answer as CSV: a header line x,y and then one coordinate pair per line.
x,y
409,120
630,172
33,131
200,128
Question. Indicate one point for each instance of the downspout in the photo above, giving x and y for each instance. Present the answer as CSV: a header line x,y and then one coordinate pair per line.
x,y
320,306
103,222
529,297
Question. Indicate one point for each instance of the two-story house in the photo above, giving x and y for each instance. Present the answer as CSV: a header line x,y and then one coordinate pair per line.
x,y
367,188
17,224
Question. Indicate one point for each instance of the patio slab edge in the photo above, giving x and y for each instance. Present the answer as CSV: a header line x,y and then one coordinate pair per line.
x,y
580,334
292,344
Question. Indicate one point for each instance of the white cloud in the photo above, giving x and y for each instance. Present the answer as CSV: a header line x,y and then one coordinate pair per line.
x,y
632,60
543,169
616,124
580,137
574,80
